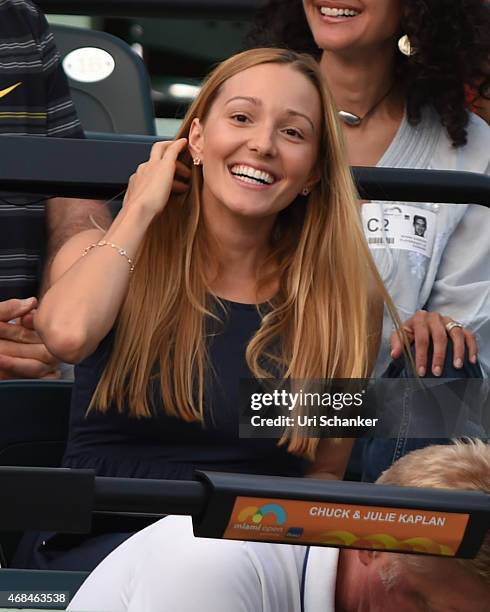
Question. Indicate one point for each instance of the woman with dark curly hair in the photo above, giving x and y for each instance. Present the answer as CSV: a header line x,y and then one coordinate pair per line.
x,y
403,110
449,48
398,71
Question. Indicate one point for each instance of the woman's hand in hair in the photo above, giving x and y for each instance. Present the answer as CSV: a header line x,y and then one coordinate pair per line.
x,y
150,186
424,327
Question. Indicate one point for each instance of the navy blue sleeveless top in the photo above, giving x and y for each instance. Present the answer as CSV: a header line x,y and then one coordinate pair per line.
x,y
161,446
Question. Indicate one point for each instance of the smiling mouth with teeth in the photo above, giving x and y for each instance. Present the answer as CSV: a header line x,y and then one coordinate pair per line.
x,y
343,13
247,174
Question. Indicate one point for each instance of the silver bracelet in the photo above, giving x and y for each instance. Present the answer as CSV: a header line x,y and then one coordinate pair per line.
x,y
120,250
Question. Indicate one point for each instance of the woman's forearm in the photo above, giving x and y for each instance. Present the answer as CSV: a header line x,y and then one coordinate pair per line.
x,y
81,306
331,459
324,476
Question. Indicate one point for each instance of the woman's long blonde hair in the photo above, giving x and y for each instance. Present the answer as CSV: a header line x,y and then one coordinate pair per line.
x,y
318,321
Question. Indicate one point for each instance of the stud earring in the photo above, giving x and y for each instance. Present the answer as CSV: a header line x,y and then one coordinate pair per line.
x,y
196,161
405,46
305,191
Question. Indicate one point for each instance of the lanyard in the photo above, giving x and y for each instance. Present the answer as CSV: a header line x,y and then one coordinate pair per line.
x,y
303,579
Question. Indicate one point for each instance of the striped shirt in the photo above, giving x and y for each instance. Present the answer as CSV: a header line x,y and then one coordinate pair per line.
x,y
34,101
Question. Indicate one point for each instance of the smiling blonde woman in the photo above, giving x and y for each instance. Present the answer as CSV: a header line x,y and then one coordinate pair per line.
x,y
248,273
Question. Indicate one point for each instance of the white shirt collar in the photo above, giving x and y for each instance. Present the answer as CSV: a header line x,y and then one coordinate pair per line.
x,y
320,577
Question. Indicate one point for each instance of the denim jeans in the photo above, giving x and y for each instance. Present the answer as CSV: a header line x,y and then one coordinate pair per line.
x,y
377,454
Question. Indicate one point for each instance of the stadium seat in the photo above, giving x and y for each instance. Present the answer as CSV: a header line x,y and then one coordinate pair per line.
x,y
34,419
108,81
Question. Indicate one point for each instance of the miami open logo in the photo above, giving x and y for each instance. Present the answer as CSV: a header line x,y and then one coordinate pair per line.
x,y
268,518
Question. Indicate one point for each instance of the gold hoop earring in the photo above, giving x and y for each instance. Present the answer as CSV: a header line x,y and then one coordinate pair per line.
x,y
405,46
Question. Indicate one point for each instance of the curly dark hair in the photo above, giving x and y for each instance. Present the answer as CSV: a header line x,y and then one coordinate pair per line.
x,y
451,43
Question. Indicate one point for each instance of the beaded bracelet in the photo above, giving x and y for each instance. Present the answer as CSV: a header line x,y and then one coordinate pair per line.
x,y
121,251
